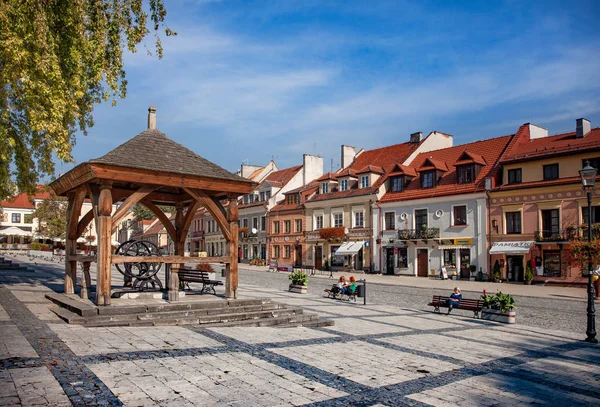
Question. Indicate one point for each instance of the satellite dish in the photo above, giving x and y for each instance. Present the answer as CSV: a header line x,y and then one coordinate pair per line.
x,y
346,231
254,231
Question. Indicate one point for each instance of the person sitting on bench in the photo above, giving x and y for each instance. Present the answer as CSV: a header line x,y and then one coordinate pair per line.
x,y
349,287
454,299
338,287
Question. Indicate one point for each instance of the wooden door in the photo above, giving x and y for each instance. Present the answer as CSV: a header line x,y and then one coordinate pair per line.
x,y
318,257
298,262
389,269
422,262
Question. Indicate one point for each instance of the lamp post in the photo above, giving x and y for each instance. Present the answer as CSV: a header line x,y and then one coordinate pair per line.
x,y
588,180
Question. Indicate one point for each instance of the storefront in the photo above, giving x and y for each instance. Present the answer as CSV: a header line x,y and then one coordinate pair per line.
x,y
512,258
456,256
396,259
348,255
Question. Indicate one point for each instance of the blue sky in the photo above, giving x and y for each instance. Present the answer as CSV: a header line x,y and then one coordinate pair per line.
x,y
255,80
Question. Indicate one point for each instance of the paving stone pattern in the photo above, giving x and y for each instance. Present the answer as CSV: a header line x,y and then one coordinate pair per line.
x,y
375,355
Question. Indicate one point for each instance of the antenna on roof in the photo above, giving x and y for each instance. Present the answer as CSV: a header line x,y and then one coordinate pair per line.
x,y
331,170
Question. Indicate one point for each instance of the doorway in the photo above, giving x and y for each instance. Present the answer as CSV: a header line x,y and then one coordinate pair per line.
x,y
514,268
318,257
422,262
389,261
465,262
358,264
298,262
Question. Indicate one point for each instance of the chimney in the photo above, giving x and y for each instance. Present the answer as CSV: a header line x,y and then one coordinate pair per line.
x,y
416,138
312,168
536,132
583,127
152,117
348,154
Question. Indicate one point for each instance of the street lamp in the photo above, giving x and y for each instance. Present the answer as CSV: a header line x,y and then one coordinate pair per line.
x,y
588,180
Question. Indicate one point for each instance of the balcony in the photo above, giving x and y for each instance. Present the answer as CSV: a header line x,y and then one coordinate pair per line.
x,y
419,234
566,235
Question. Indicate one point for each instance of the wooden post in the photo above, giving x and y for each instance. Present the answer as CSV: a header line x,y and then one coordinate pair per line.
x,y
231,275
86,281
75,200
103,279
179,246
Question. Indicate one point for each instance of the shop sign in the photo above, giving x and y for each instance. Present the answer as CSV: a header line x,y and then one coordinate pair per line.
x,y
463,241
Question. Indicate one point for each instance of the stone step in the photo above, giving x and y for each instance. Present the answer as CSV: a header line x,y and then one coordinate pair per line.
x,y
315,323
279,321
177,306
209,311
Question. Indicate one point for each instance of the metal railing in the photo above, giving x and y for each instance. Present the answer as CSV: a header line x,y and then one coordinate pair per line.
x,y
565,235
418,234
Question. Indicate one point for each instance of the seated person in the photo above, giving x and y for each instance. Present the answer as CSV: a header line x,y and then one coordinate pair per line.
x,y
349,287
454,299
338,287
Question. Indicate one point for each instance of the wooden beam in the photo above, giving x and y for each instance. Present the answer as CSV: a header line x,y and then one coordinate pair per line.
x,y
215,208
168,259
80,258
109,172
231,269
84,222
128,204
103,280
187,221
75,200
155,196
73,212
162,218
72,179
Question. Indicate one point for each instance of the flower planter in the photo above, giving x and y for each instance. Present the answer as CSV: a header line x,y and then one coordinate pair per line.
x,y
300,289
499,316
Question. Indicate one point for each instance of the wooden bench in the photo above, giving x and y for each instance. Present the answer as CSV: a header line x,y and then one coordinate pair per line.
x,y
337,295
466,304
187,276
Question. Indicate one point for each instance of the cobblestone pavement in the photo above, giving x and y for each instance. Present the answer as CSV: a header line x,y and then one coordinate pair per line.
x,y
375,355
552,313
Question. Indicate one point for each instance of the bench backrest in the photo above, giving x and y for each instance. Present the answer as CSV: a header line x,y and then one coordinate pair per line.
x,y
193,273
467,302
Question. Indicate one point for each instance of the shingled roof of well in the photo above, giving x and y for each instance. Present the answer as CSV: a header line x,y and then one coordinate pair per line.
x,y
154,151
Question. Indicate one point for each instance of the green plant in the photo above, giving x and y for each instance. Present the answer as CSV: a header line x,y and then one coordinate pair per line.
x,y
299,278
35,246
496,274
499,301
528,273
472,268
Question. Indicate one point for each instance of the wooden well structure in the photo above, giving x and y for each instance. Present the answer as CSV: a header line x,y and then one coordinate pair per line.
x,y
152,170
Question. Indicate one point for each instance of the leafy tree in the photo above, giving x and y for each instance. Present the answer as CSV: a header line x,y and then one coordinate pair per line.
x,y
52,217
140,212
57,59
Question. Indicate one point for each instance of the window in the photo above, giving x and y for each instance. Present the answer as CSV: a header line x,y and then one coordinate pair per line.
x,y
390,220
251,198
465,174
402,259
29,219
263,223
298,225
460,215
552,263
16,218
427,179
397,185
550,223
513,223
287,226
276,253
584,213
594,162
338,219
344,185
244,222
245,251
336,260
276,227
359,219
255,223
267,195
364,181
318,222
550,172
420,219
292,199
514,176
287,251
245,199
449,257
262,196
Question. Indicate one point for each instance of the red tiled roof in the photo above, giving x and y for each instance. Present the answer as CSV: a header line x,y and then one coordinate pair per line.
x,y
283,176
255,173
328,176
384,157
346,173
371,169
490,150
283,206
304,188
431,163
523,148
22,201
400,169
156,228
468,157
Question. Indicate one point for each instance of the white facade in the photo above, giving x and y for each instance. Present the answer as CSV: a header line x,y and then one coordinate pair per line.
x,y
394,253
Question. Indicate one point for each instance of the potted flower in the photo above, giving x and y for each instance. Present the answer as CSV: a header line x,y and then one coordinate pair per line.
x,y
499,307
496,275
299,282
473,271
528,274
454,275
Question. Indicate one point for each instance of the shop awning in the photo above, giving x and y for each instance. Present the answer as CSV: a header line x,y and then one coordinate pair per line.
x,y
349,248
511,247
14,231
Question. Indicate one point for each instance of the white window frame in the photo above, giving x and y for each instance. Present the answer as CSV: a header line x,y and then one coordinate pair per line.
x,y
364,181
344,184
414,222
317,215
356,225
384,222
324,188
336,211
466,216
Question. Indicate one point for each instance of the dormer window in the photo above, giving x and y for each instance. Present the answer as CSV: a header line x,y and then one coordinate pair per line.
x,y
428,179
344,185
324,188
262,196
364,181
268,195
465,174
245,199
397,184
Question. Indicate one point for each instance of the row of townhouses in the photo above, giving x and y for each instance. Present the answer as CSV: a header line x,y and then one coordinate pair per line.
x,y
413,208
